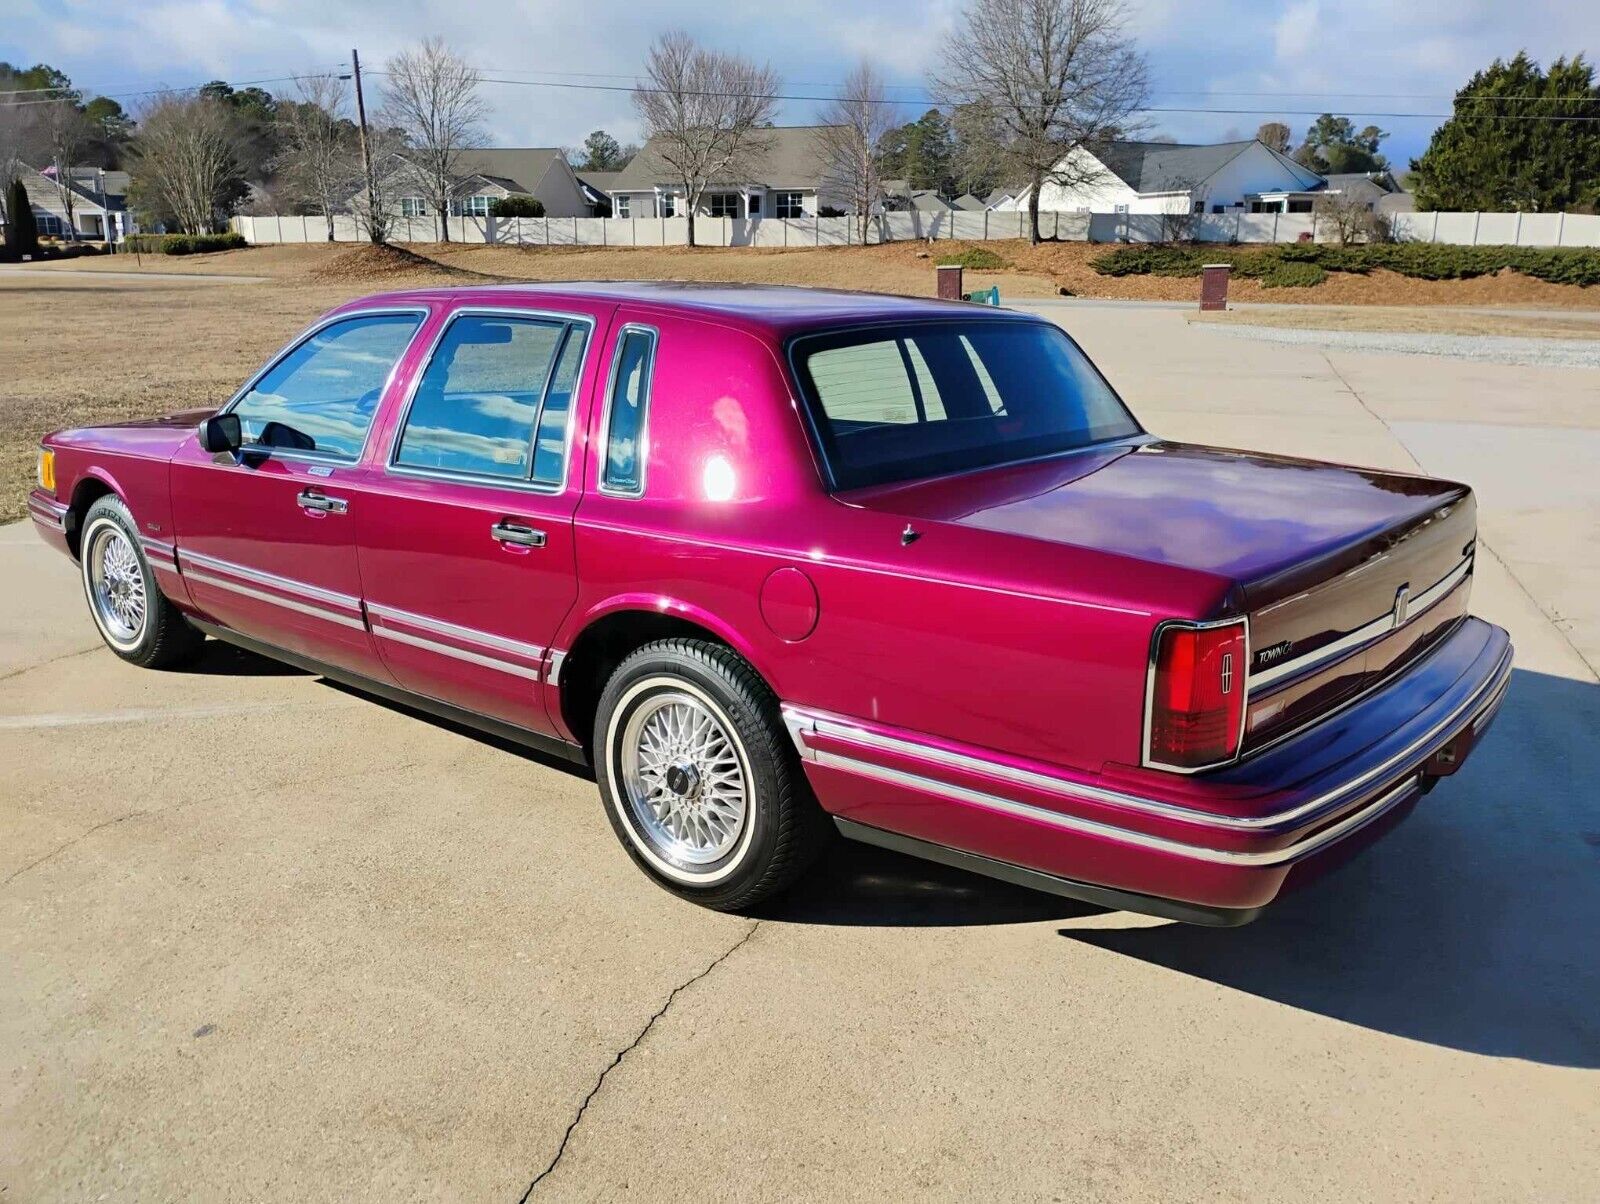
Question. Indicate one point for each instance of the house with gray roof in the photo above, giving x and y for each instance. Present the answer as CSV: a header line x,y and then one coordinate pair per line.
x,y
99,203
489,174
786,176
1171,177
1377,191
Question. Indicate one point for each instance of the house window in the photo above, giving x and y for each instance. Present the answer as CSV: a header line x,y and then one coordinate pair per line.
x,y
667,206
754,208
1216,209
621,205
787,204
49,225
724,204
413,206
1199,207
471,206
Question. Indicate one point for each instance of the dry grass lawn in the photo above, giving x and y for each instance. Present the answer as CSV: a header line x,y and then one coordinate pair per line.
x,y
80,350
1400,320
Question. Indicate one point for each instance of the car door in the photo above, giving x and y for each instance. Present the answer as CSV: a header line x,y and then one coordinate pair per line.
x,y
466,549
266,536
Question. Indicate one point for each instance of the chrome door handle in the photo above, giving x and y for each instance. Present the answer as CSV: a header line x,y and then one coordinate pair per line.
x,y
311,499
507,531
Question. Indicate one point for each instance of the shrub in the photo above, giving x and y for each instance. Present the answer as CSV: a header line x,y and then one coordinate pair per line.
x,y
1287,265
517,206
1293,275
184,244
975,259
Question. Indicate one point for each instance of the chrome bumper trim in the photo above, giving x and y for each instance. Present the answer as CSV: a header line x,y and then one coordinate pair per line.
x,y
304,608
1473,709
1365,634
161,554
47,513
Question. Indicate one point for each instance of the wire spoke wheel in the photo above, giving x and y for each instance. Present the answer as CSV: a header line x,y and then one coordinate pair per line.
x,y
684,779
116,585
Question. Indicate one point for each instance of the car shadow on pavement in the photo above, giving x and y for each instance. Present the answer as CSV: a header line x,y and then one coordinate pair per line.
x,y
220,659
859,884
1474,925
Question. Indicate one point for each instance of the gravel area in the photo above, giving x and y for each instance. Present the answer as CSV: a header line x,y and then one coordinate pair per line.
x,y
1491,349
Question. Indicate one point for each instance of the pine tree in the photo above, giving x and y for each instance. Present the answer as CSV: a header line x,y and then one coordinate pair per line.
x,y
22,232
1490,156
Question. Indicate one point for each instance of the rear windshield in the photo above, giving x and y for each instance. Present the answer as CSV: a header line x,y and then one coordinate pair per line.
x,y
893,403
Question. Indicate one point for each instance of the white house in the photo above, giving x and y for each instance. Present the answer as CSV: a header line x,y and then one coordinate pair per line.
x,y
1167,177
99,203
784,178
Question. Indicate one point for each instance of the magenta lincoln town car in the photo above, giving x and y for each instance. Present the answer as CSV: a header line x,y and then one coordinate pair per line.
x,y
778,561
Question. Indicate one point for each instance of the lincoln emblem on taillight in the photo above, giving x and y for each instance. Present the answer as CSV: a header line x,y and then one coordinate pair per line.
x,y
1402,601
1227,672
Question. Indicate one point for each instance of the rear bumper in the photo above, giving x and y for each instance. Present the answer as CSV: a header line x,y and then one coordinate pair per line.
x,y
1222,842
49,519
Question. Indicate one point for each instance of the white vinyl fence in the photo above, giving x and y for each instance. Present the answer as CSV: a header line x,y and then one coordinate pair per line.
x,y
1461,229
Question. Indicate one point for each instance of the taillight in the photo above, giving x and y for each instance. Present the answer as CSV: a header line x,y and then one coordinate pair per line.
x,y
1196,695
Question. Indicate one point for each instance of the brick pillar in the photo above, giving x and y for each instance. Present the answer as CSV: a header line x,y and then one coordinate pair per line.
x,y
949,281
1214,286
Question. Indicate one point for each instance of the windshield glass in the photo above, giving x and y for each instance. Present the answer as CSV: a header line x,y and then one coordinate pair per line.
x,y
893,403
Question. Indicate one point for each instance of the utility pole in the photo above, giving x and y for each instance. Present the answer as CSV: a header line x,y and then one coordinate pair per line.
x,y
366,147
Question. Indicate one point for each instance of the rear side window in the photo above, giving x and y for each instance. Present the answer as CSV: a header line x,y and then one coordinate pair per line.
x,y
625,420
321,397
492,382
895,403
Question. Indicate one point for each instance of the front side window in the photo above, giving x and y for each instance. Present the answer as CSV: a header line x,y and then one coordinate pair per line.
x,y
471,206
321,396
625,420
787,204
669,205
492,383
900,402
413,206
724,204
755,204
621,204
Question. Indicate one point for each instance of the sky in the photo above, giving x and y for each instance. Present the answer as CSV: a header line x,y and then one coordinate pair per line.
x,y
1247,61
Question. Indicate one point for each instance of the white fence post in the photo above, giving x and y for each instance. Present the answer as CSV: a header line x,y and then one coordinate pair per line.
x,y
1477,217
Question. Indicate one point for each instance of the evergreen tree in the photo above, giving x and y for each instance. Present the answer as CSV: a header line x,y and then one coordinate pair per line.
x,y
1334,146
22,232
921,152
1491,156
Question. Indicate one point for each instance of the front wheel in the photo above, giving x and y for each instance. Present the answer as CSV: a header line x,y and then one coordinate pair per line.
x,y
699,778
133,616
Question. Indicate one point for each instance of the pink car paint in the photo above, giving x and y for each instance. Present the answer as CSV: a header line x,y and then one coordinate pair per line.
x,y
963,661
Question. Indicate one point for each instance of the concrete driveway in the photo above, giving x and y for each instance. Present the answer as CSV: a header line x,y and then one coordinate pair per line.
x,y
264,938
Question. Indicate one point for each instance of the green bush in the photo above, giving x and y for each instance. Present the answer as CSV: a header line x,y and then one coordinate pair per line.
x,y
1287,265
184,244
1294,275
517,206
975,259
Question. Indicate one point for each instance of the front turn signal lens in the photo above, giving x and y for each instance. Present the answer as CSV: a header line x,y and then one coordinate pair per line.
x,y
1197,694
47,470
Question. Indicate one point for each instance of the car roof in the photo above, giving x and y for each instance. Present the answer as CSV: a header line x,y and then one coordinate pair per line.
x,y
773,309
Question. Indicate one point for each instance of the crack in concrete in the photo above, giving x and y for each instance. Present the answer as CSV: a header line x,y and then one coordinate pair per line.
x,y
65,656
566,1137
59,849
1552,619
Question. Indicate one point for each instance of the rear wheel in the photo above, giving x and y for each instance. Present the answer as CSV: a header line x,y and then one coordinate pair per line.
x,y
133,616
700,781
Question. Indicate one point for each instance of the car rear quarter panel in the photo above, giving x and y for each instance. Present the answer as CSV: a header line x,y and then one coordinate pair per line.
x,y
994,640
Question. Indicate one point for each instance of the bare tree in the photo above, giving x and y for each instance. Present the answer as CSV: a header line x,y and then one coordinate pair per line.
x,y
1351,220
1060,76
705,113
320,161
374,206
66,133
187,161
432,97
851,129
1275,134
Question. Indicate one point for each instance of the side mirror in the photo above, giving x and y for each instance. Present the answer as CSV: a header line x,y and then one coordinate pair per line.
x,y
221,433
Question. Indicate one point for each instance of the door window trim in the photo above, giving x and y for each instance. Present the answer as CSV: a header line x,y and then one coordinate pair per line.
x,y
421,312
391,467
648,383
